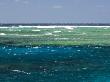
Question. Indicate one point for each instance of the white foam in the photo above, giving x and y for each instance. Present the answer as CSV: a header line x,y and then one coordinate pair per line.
x,y
84,33
57,31
4,27
16,70
53,50
48,33
28,35
84,68
61,38
2,34
3,47
56,35
35,30
36,47
19,30
45,26
21,35
20,26
78,50
68,27
14,54
95,26
69,31
96,47
10,49
19,71
106,27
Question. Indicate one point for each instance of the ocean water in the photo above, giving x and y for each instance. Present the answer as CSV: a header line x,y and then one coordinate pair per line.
x,y
55,64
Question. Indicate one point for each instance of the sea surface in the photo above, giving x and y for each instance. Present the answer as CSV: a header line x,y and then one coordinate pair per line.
x,y
55,63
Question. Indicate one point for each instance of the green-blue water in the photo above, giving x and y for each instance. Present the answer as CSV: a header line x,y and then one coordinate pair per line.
x,y
55,64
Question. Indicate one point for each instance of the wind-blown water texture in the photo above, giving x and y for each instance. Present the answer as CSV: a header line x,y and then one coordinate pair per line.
x,y
55,64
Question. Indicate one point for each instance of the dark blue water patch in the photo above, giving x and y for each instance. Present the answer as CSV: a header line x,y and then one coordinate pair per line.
x,y
55,63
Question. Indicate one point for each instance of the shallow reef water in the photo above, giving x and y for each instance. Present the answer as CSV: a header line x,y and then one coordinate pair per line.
x,y
55,64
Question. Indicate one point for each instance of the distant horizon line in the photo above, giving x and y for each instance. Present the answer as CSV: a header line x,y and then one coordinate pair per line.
x,y
48,24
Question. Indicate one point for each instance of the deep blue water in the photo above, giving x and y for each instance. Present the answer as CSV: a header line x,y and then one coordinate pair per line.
x,y
55,64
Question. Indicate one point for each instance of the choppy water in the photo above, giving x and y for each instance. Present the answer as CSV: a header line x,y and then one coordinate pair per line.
x,y
55,64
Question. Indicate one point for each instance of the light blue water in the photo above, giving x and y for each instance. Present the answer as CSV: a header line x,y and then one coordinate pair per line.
x,y
55,64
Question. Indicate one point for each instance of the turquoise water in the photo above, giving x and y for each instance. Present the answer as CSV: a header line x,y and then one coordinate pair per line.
x,y
55,64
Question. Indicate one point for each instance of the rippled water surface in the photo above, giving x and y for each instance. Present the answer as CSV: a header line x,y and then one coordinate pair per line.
x,y
55,64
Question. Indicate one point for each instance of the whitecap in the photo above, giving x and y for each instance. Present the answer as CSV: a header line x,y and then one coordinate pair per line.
x,y
36,30
78,50
36,47
19,71
57,31
48,34
2,34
